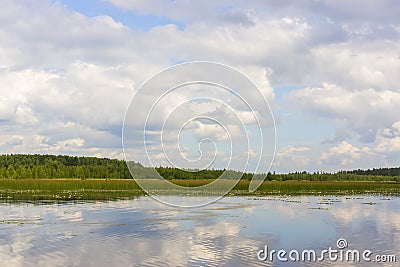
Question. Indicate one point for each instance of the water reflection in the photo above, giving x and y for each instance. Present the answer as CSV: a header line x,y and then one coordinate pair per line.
x,y
143,232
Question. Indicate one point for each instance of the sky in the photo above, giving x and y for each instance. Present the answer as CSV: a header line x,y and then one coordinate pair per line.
x,y
329,70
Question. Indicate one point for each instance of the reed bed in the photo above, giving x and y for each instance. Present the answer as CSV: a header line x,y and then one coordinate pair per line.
x,y
70,189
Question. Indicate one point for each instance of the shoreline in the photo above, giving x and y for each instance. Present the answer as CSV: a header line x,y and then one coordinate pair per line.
x,y
114,189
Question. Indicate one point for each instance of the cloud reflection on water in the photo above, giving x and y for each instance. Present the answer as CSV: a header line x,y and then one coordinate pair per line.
x,y
143,232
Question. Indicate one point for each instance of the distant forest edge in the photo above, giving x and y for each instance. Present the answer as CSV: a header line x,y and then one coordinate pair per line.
x,y
24,166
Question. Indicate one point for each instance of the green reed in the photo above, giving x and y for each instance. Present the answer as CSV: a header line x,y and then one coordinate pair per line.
x,y
122,188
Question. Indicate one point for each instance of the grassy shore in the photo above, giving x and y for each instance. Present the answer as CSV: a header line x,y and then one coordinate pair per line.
x,y
101,189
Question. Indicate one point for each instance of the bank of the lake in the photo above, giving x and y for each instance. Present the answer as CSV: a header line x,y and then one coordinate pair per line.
x,y
102,189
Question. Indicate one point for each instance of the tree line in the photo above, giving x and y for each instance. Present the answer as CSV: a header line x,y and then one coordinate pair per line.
x,y
50,166
21,166
380,171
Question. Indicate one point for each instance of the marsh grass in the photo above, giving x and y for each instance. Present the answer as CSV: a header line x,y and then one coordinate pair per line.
x,y
321,187
92,189
68,189
68,184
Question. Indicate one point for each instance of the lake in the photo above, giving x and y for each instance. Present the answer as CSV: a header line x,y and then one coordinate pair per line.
x,y
235,231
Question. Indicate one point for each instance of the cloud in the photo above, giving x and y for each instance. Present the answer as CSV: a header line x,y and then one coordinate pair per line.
x,y
14,141
344,154
393,131
383,11
59,106
292,156
358,65
363,112
212,131
47,34
388,144
340,135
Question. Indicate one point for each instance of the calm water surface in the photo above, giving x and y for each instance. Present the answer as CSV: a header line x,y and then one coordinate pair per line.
x,y
230,232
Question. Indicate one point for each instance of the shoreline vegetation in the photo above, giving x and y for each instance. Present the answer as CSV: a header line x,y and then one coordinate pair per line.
x,y
49,177
101,189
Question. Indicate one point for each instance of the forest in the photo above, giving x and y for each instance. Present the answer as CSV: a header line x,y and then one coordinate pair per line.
x,y
50,166
380,171
29,166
